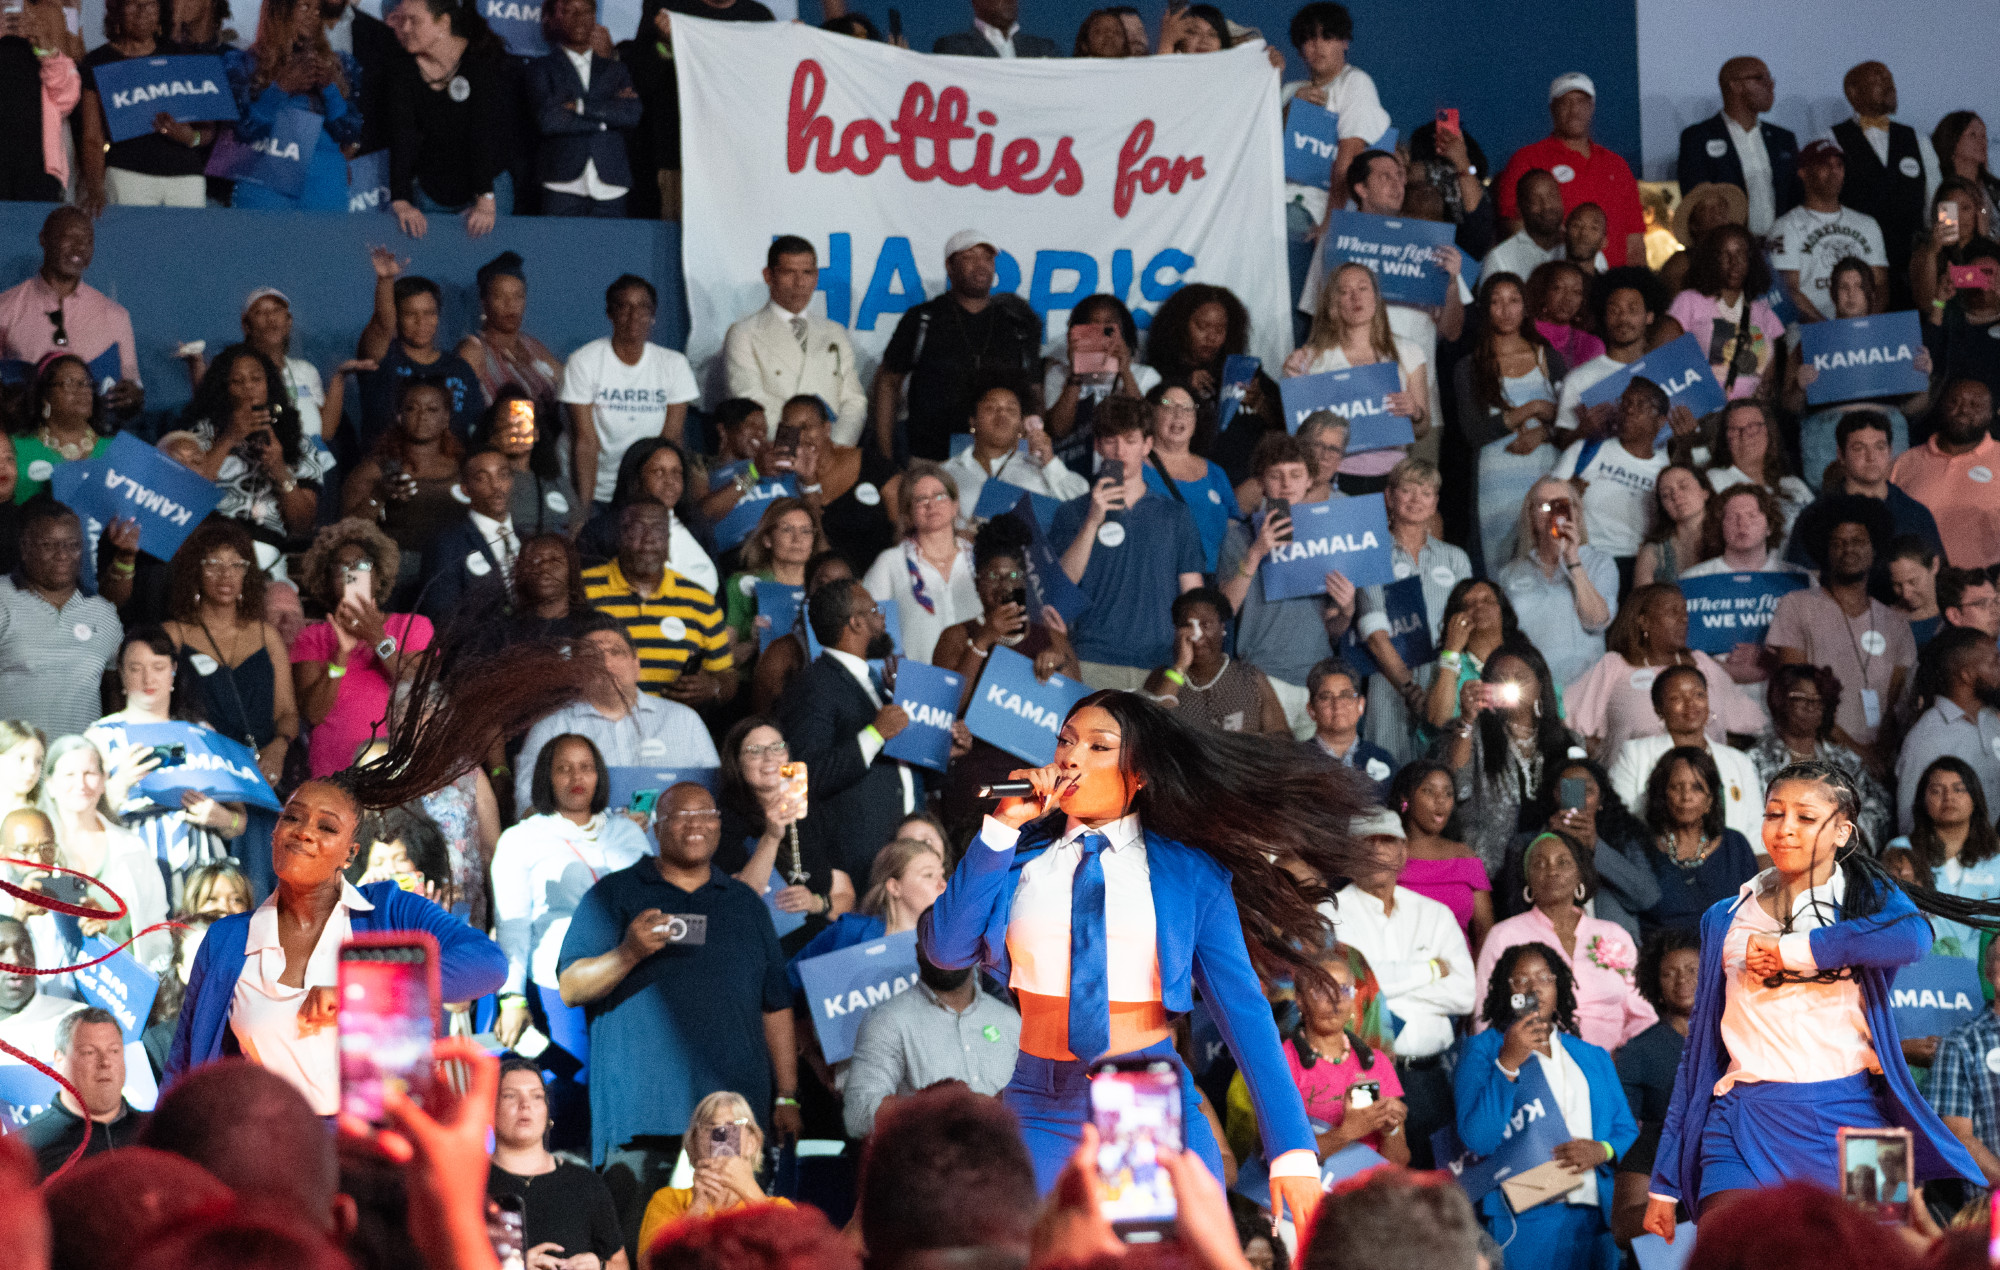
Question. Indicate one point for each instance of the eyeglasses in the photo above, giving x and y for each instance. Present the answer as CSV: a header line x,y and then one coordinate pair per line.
x,y
1339,698
688,817
776,749
1001,575
1538,980
363,565
225,566
1805,699
925,500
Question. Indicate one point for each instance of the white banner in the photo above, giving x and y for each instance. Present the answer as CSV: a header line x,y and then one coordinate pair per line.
x,y
1123,176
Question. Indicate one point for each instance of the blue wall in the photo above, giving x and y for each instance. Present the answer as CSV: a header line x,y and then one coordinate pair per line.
x,y
1493,62
184,274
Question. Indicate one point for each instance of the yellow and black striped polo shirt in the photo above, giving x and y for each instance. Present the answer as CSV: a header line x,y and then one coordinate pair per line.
x,y
677,628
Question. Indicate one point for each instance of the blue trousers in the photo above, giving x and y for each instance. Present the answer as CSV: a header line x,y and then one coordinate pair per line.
x,y
1766,1133
1556,1236
1051,1097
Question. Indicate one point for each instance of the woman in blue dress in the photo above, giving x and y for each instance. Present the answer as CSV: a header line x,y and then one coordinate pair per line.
x,y
1178,470
292,68
1792,1036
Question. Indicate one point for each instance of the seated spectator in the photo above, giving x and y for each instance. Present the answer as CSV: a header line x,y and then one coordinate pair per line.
x,y
291,67
1952,837
1625,306
1913,568
1584,232
1598,175
1864,440
542,500
503,354
1968,598
1809,242
583,104
1072,398
1697,856
55,641
939,344
787,536
997,453
945,1028
1726,282
1564,587
675,623
1425,1217
1598,954
70,414
906,880
1131,551
1335,704
1194,333
1851,290
1476,620
621,389
29,835
254,444
469,565
214,890
1397,696
28,1016
548,600
630,728
267,328
1178,469
1101,35
405,846
782,351
1749,451
857,492
406,484
21,748
449,151
536,886
1803,700
1956,331
1419,955
1669,965
1206,683
344,668
1617,476
928,576
761,844
1959,216
1598,824
1576,1230
1958,691
1553,298
1324,435
1741,530
90,1054
401,338
1351,328
1506,403
1438,865
1610,704
1282,639
1680,697
566,1211
160,168
995,33
654,470
56,311
1943,472
1959,1091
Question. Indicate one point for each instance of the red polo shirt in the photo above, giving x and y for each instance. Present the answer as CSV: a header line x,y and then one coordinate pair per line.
x,y
1603,179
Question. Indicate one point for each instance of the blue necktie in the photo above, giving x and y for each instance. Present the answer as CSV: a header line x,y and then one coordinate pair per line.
x,y
1089,986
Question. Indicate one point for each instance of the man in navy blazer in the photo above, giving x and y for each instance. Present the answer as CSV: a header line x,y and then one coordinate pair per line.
x,y
584,105
996,32
470,564
1714,149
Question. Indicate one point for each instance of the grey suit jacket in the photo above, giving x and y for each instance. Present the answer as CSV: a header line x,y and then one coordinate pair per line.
x,y
973,44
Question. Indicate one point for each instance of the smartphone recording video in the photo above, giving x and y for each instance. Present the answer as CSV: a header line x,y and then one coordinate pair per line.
x,y
388,1018
1875,1172
1136,1106
725,1141
1090,350
520,416
1280,507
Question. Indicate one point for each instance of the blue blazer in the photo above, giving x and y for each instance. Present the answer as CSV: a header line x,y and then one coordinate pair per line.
x,y
451,578
1200,944
611,109
1485,1099
1874,947
1699,163
469,965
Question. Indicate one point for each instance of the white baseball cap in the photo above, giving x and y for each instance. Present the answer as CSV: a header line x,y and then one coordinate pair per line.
x,y
967,238
1376,822
262,293
1574,82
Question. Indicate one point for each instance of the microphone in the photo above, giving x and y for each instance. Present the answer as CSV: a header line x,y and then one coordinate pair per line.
x,y
1007,789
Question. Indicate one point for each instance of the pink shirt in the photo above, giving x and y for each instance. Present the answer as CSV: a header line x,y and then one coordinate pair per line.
x,y
1960,492
92,320
1452,883
1697,314
1609,1009
364,690
1614,703
1325,1084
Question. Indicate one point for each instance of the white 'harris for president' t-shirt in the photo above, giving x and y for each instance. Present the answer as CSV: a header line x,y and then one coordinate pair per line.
x,y
627,403
1617,494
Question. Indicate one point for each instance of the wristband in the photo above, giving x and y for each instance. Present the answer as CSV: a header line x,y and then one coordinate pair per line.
x,y
813,488
387,648
1175,676
1450,658
1939,304
1512,1073
335,672
784,1100
870,730
977,651
505,997
122,568
1609,1154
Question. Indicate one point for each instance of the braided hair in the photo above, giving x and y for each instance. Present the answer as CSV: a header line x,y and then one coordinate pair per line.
x,y
1498,1008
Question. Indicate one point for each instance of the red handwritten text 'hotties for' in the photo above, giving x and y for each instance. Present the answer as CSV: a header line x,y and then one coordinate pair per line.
x,y
939,119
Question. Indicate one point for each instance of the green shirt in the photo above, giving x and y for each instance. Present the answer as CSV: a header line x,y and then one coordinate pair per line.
x,y
28,452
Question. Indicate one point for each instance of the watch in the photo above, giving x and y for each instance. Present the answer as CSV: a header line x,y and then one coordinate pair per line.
x,y
387,648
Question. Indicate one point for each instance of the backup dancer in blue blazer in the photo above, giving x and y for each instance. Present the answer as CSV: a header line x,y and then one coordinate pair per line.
x,y
263,983
1792,1036
1132,876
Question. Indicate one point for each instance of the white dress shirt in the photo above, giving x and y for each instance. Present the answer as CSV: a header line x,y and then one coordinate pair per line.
x,y
1878,141
541,869
952,601
500,540
870,743
1797,1032
1038,925
264,1013
1572,1093
1756,161
589,185
1053,478
1002,41
1400,945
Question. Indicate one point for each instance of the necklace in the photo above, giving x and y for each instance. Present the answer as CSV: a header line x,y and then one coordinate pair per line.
x,y
70,450
1212,678
1671,841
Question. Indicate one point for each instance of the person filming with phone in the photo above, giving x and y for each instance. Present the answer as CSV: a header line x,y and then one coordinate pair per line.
x,y
1564,588
726,1149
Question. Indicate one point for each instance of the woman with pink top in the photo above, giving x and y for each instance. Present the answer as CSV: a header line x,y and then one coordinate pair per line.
x,y
1612,703
1600,954
1440,867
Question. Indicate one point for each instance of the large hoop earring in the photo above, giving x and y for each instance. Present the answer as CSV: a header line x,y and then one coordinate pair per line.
x,y
1538,707
1529,896
1581,893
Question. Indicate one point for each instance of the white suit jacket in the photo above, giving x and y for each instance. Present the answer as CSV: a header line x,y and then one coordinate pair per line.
x,y
765,364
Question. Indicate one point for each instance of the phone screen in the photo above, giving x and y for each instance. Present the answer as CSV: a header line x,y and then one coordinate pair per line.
x,y
725,1141
787,437
1875,1172
797,787
1574,793
1112,470
644,800
506,1223
1280,507
1137,1110
521,415
387,1022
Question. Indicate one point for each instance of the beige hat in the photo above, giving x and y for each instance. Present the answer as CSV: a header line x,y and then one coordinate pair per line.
x,y
1736,207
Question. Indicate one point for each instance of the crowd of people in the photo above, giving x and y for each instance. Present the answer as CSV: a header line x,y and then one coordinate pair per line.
x,y
652,641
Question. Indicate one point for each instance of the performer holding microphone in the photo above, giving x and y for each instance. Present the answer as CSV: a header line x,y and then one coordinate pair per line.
x,y
1127,875
1792,1036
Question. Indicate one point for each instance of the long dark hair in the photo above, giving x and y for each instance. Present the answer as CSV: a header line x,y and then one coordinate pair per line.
x,y
29,417
211,400
1498,1010
185,570
1981,844
1167,342
1404,787
1510,622
1653,956
737,795
542,785
1552,737
1704,275
1703,763
1485,361
1249,804
1615,822
631,487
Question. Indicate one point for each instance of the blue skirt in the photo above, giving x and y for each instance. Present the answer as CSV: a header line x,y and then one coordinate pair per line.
x,y
1051,1098
1766,1133
1557,1236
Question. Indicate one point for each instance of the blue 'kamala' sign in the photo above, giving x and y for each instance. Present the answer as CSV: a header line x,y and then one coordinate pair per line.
x,y
214,765
780,604
1349,536
1855,358
1937,994
368,182
1360,395
1312,136
1533,1133
193,88
1680,369
280,158
118,984
1018,712
1238,371
734,527
1399,250
1409,629
518,23
842,987
131,478
930,697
